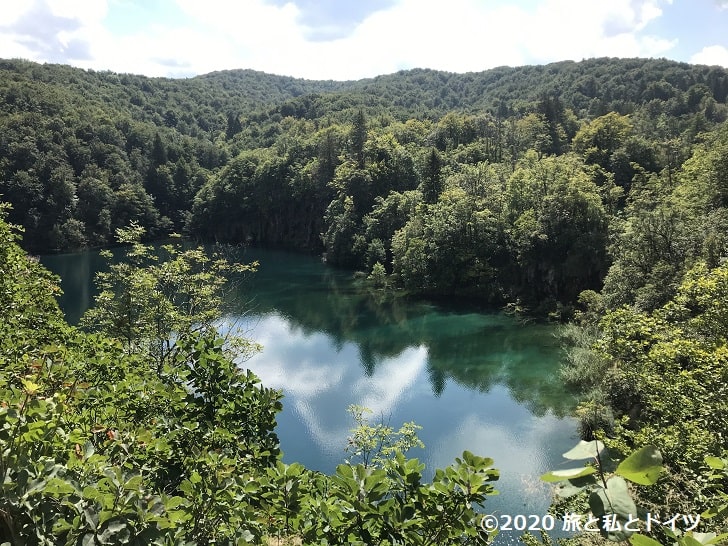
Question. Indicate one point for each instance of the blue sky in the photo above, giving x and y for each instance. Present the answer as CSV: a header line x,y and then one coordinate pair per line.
x,y
352,39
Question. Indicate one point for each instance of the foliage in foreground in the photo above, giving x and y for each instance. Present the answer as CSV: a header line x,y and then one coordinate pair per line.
x,y
149,298
608,489
102,442
663,382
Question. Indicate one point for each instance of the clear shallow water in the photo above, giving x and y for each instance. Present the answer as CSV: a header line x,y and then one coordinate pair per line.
x,y
473,379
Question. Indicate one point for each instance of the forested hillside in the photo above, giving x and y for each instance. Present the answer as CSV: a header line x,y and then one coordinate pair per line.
x,y
504,184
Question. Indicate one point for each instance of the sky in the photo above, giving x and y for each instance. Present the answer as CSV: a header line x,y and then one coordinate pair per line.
x,y
354,39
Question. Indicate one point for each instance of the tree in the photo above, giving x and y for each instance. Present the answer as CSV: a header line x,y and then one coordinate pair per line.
x,y
386,217
409,256
531,133
683,341
651,252
27,294
133,204
601,137
358,138
559,228
148,301
95,202
432,179
159,152
233,125
668,227
552,109
454,241
341,225
98,446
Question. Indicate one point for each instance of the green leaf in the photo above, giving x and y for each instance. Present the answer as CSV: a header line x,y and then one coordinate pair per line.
x,y
566,490
568,474
57,486
29,387
584,450
642,540
174,502
88,450
715,463
187,488
133,483
116,532
643,466
688,541
91,493
615,499
574,486
708,538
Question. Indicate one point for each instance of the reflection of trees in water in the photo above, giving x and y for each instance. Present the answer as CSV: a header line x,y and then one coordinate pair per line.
x,y
477,350
523,358
474,349
77,272
438,378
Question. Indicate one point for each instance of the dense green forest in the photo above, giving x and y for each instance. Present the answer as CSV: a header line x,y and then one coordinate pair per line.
x,y
509,185
594,191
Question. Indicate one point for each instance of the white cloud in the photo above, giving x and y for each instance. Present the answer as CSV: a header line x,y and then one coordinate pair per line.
x,y
458,36
711,55
314,378
310,377
87,11
12,11
10,48
567,29
393,379
519,470
56,31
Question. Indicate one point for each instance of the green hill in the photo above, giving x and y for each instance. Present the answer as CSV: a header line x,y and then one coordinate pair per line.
x,y
245,156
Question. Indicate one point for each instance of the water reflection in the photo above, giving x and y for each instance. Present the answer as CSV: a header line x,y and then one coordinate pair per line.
x,y
473,380
473,409
475,348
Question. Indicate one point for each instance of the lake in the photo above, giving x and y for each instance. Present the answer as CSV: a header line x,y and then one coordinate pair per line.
x,y
473,379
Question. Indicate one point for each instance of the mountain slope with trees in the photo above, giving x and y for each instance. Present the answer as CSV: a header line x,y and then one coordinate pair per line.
x,y
502,185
